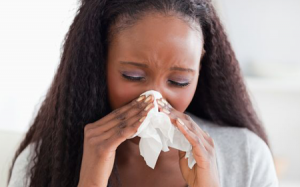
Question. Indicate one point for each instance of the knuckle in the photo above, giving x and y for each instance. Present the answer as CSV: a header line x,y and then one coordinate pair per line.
x,y
198,142
172,116
139,106
142,113
121,116
169,106
116,111
191,125
134,124
139,114
187,117
88,133
122,125
132,103
121,133
171,109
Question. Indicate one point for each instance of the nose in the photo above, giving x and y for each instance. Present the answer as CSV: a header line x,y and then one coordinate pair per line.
x,y
160,89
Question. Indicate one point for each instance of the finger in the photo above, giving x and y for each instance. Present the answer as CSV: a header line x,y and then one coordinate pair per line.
x,y
129,123
123,129
164,104
193,125
122,113
134,110
123,134
173,114
196,129
168,105
118,124
118,111
196,143
169,110
209,139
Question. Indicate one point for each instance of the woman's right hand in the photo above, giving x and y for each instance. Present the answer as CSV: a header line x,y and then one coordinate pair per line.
x,y
102,138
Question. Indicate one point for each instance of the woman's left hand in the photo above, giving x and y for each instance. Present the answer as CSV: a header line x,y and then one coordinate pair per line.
x,y
205,172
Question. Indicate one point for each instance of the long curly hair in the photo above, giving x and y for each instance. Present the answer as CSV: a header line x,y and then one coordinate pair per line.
x,y
78,93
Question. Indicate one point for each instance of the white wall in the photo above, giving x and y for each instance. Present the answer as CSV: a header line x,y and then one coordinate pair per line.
x,y
267,31
31,34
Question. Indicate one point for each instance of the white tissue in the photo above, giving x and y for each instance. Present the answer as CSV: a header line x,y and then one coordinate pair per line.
x,y
158,133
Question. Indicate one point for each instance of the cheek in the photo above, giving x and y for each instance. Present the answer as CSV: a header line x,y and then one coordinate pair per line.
x,y
119,93
183,98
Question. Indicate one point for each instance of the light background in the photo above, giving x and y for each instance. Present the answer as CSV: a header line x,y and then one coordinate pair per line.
x,y
264,35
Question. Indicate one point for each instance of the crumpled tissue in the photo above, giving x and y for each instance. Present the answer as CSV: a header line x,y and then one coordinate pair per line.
x,y
157,133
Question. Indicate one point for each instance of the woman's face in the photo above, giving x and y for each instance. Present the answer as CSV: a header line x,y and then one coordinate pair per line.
x,y
157,53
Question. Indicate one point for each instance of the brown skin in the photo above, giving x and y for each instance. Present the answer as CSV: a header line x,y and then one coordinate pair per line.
x,y
102,138
156,44
160,43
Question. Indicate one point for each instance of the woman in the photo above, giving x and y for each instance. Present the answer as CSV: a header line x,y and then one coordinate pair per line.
x,y
113,52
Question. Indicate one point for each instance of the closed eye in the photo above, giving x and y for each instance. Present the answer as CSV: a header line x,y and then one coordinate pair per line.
x,y
142,78
179,84
132,78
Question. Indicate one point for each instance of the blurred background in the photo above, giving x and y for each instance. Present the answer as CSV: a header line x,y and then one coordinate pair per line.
x,y
265,35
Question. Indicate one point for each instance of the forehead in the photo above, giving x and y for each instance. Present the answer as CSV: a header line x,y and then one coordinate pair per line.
x,y
159,40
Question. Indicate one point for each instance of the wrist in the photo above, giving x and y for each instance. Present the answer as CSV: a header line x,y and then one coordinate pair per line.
x,y
91,184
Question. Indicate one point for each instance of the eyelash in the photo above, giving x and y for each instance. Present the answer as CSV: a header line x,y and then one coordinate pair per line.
x,y
140,78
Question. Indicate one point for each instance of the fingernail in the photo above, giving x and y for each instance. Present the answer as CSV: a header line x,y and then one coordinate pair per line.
x,y
148,106
163,100
161,103
148,98
180,122
142,119
166,103
166,111
140,98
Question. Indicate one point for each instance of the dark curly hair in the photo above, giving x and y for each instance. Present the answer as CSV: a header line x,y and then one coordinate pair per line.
x,y
78,93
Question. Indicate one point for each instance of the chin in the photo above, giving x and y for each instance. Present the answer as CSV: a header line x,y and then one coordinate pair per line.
x,y
135,140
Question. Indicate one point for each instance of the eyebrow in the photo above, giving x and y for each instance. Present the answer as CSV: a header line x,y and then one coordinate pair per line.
x,y
173,68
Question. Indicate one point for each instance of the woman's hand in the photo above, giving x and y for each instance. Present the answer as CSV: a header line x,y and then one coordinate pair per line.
x,y
102,138
205,171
